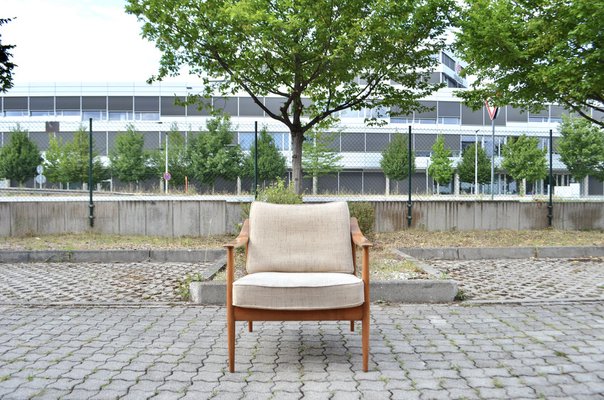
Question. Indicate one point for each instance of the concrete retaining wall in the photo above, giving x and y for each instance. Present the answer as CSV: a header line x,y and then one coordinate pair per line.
x,y
175,218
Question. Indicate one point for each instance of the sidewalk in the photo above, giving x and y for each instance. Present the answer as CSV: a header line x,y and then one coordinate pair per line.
x,y
179,352
145,348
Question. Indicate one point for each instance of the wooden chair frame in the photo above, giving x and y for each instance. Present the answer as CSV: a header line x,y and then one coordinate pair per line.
x,y
359,313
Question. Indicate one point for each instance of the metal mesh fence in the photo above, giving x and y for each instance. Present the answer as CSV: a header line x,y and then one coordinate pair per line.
x,y
350,159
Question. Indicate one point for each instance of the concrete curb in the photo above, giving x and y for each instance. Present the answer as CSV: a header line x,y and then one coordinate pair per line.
x,y
484,253
412,292
108,256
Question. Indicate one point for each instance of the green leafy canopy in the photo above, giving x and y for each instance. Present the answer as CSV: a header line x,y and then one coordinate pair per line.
x,y
318,56
523,159
19,158
441,166
467,166
395,158
581,148
529,53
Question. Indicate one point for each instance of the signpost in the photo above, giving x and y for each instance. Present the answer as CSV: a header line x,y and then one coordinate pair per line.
x,y
492,110
40,178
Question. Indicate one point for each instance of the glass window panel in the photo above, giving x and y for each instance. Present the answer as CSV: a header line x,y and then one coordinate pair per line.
x,y
353,142
194,109
15,103
516,114
430,113
120,103
377,142
169,107
227,105
42,103
146,103
248,108
94,103
246,140
68,103
448,109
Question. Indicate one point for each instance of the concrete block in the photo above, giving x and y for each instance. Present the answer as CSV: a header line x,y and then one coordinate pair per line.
x,y
24,219
187,256
432,253
49,256
159,220
5,219
107,217
186,218
486,218
212,293
416,291
508,215
108,256
76,216
465,215
533,215
14,256
212,216
489,253
51,218
570,252
132,218
233,217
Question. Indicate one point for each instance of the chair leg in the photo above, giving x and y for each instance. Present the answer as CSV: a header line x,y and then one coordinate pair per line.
x,y
231,339
351,326
250,326
365,341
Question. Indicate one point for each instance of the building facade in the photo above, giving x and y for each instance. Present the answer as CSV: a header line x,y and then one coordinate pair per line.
x,y
60,109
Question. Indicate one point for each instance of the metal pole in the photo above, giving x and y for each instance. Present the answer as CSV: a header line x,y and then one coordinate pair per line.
x,y
409,161
476,163
90,183
166,174
493,159
255,160
550,206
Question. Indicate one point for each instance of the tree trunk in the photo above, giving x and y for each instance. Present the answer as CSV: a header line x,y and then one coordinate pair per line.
x,y
315,184
297,139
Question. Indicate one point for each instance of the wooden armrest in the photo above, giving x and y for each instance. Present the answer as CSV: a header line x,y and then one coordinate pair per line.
x,y
243,238
357,235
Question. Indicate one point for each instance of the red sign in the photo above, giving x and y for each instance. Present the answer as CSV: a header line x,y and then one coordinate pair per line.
x,y
491,109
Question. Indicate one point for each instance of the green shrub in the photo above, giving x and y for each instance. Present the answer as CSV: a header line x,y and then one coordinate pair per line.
x,y
365,214
277,193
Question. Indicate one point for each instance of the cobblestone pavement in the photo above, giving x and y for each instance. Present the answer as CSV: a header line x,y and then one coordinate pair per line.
x,y
553,351
94,282
526,279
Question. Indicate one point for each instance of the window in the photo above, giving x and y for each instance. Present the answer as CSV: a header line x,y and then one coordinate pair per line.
x,y
246,140
120,116
146,116
449,120
448,61
94,114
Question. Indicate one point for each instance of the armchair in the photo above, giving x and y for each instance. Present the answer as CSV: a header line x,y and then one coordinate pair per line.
x,y
301,266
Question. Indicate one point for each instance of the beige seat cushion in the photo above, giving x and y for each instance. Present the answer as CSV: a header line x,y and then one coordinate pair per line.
x,y
299,238
298,291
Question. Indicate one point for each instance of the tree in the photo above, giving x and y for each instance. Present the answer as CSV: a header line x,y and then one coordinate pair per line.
x,y
524,160
318,159
129,161
75,162
529,53
213,153
395,158
441,166
581,148
6,66
271,163
19,158
178,158
467,167
298,50
54,156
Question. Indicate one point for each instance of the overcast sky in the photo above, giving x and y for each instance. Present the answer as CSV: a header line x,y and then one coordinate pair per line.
x,y
76,41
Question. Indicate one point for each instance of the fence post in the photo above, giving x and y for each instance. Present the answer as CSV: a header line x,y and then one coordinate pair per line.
x,y
90,183
409,163
550,206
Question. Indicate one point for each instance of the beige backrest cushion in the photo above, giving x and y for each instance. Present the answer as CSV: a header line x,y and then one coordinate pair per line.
x,y
299,238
